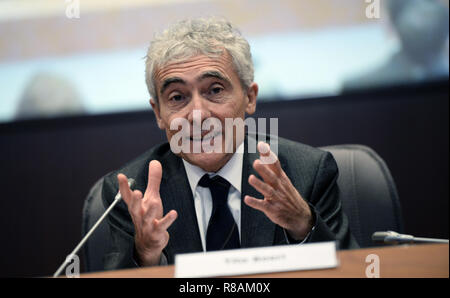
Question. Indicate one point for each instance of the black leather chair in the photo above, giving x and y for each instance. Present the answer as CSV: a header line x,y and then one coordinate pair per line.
x,y
367,190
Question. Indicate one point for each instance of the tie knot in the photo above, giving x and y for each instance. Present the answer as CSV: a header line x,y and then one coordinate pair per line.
x,y
215,181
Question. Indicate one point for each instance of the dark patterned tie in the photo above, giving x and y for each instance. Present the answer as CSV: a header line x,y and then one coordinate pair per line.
x,y
222,230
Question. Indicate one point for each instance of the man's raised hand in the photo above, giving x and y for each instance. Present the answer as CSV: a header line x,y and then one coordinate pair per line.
x,y
282,203
146,211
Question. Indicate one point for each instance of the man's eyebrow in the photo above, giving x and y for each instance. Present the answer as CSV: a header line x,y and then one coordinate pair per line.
x,y
169,81
213,74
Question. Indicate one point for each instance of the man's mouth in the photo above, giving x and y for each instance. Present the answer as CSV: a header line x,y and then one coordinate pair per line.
x,y
206,137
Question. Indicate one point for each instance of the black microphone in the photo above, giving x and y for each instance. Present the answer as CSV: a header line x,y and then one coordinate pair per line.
x,y
391,237
117,198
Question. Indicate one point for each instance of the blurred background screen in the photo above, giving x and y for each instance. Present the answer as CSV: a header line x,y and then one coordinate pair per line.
x,y
78,57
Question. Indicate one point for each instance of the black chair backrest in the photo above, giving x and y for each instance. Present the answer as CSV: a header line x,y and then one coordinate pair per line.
x,y
367,190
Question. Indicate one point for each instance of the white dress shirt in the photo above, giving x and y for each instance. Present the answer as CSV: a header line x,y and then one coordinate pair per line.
x,y
232,172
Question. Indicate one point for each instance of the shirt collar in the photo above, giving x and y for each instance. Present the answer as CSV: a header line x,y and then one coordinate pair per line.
x,y
231,171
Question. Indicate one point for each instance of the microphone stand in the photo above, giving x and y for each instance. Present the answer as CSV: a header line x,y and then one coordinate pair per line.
x,y
117,199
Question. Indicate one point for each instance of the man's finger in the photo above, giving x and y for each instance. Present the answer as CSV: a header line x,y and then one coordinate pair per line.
x,y
265,189
265,172
268,157
154,177
165,222
124,188
255,203
131,198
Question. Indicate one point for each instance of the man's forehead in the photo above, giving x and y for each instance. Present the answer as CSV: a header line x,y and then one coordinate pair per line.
x,y
196,64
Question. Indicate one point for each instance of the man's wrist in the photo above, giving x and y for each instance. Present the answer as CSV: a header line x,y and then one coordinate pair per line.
x,y
290,240
303,229
300,236
303,233
147,259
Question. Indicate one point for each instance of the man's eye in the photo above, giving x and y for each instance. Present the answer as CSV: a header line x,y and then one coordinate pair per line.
x,y
216,90
177,97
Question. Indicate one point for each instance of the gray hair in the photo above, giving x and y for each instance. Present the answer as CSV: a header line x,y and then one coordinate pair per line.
x,y
201,36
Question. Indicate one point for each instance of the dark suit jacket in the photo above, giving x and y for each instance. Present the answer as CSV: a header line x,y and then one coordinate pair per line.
x,y
312,171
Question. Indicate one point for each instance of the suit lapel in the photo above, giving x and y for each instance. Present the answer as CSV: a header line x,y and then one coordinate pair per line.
x,y
176,194
256,229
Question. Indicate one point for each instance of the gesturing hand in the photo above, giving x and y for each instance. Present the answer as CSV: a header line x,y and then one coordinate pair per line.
x,y
146,211
282,203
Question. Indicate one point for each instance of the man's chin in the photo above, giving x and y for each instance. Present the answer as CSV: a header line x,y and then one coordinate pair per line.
x,y
209,162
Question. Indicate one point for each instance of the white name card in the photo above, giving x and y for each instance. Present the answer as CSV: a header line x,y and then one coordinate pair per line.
x,y
257,260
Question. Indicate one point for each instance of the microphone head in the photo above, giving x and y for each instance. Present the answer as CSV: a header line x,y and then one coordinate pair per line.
x,y
131,182
391,237
382,236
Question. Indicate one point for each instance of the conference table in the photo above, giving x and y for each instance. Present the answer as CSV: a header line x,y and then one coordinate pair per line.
x,y
403,261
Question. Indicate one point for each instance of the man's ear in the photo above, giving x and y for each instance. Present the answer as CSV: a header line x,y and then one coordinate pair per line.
x,y
252,94
155,107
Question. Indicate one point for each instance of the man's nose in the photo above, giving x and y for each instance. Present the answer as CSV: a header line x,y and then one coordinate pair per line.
x,y
199,109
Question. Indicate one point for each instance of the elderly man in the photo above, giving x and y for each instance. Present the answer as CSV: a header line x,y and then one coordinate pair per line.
x,y
188,201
